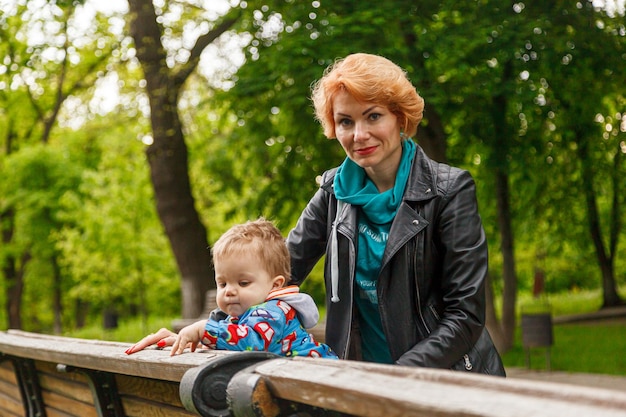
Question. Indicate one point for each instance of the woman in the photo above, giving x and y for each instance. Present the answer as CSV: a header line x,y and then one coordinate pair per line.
x,y
406,254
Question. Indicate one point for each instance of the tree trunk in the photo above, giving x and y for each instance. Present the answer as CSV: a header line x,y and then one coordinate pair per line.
x,y
14,281
57,300
509,294
610,296
491,320
500,148
15,289
167,157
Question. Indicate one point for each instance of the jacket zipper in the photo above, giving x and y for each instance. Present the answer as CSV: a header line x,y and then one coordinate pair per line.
x,y
412,256
352,256
468,362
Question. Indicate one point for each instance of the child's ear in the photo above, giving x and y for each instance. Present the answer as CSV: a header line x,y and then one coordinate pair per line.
x,y
278,281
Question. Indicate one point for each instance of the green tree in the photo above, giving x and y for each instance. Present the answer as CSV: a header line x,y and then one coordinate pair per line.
x,y
168,154
112,245
46,59
41,175
584,49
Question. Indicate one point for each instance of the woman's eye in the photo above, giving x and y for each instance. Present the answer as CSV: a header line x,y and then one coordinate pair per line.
x,y
375,116
345,122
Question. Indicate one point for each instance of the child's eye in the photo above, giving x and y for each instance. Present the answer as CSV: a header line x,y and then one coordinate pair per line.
x,y
221,285
244,283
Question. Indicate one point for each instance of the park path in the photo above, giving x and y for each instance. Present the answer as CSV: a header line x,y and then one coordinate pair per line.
x,y
587,380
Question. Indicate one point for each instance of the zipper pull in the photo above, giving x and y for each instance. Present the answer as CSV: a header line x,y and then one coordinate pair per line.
x,y
468,363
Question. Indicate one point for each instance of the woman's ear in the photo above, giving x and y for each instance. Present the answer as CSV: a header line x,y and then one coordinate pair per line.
x,y
278,281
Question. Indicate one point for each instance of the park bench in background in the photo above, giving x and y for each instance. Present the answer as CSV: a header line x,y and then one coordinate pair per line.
x,y
53,376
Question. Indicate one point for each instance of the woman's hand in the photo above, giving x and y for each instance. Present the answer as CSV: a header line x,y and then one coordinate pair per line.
x,y
164,337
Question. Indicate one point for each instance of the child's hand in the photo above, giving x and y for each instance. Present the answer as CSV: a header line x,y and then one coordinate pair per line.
x,y
188,336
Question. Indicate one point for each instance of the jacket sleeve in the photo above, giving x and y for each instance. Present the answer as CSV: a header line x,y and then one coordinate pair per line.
x,y
456,320
307,240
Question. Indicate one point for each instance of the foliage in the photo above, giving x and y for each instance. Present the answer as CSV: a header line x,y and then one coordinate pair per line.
x,y
42,176
255,148
114,248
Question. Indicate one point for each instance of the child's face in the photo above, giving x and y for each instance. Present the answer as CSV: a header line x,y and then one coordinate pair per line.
x,y
242,282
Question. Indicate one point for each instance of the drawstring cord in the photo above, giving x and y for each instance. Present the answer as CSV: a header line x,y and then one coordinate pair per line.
x,y
334,264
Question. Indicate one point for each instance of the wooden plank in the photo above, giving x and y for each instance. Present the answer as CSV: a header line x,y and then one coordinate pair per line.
x,y
8,382
373,390
51,412
11,406
7,372
10,390
67,388
73,385
162,392
104,356
62,403
147,381
135,407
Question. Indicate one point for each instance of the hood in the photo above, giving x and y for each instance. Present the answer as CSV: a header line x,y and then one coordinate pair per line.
x,y
303,304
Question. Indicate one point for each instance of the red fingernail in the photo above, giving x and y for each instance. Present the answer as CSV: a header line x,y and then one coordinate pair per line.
x,y
161,343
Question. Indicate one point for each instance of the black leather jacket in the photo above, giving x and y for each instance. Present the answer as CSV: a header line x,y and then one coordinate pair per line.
x,y
431,285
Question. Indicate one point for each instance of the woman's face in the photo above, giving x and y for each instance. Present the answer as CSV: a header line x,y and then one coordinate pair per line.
x,y
370,135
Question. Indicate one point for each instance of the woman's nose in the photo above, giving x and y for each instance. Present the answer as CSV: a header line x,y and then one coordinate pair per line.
x,y
360,132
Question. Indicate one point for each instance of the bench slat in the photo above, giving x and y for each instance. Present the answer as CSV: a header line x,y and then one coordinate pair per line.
x,y
7,372
103,356
62,403
10,405
72,385
149,389
135,407
372,390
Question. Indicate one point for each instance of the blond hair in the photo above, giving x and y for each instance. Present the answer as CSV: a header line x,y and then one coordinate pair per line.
x,y
368,78
257,237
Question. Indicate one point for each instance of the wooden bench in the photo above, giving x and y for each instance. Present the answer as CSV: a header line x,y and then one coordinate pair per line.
x,y
48,376
52,376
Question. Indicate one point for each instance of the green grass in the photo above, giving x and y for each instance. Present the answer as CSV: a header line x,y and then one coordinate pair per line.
x,y
578,347
586,348
574,302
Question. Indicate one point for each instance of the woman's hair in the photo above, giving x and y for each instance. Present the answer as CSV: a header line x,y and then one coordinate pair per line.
x,y
368,78
258,237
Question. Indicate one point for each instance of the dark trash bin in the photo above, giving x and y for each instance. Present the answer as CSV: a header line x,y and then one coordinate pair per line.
x,y
110,319
537,332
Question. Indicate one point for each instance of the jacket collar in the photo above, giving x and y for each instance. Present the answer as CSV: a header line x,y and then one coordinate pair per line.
x,y
422,183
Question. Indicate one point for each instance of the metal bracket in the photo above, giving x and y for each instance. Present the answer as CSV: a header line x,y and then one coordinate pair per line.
x,y
28,382
103,389
203,388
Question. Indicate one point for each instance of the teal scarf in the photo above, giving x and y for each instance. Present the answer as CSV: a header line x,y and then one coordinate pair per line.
x,y
353,186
